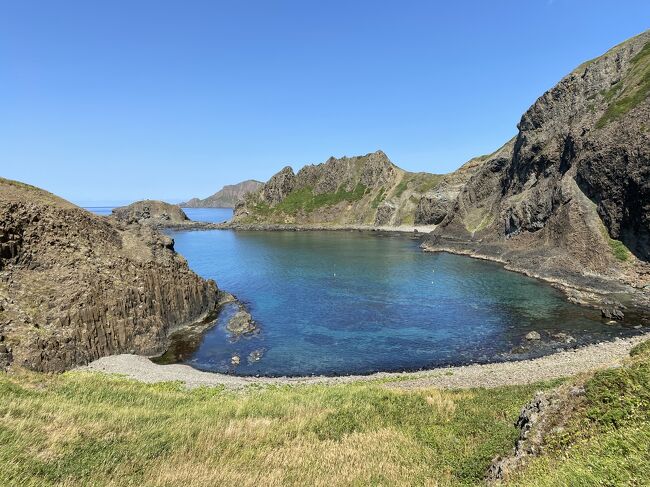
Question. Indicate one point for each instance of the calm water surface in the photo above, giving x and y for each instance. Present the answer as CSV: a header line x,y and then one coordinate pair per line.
x,y
354,302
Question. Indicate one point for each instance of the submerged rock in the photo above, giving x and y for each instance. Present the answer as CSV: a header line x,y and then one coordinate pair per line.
x,y
241,323
255,355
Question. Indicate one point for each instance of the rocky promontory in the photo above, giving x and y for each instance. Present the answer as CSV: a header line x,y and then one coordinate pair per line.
x,y
568,199
364,190
151,212
75,287
158,214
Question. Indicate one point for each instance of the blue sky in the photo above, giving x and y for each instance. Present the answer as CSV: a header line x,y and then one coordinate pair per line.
x,y
121,100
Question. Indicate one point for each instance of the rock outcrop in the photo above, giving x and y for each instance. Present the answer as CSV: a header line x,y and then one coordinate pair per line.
x,y
363,190
226,197
150,212
75,286
568,199
546,414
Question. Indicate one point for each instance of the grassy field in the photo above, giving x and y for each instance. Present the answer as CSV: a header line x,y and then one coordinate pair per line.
x,y
87,429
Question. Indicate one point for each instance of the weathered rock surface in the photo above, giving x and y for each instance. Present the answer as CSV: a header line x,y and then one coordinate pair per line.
x,y
362,190
241,323
568,199
75,286
226,197
150,212
547,413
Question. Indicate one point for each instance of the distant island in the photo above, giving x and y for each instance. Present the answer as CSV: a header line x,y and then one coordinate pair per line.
x,y
226,197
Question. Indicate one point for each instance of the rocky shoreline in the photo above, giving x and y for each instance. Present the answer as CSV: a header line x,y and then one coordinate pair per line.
x,y
614,298
278,227
555,366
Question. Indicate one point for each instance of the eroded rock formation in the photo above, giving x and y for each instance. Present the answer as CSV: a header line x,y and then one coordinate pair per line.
x,y
75,286
364,190
568,199
150,212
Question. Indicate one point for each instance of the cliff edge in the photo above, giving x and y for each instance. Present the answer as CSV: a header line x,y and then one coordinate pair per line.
x,y
568,199
75,286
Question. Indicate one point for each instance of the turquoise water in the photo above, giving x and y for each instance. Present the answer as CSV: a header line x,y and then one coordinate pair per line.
x,y
360,302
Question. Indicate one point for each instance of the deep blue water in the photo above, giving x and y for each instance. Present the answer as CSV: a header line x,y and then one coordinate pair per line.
x,y
355,302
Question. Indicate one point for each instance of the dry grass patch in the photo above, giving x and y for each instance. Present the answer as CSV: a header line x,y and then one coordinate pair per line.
x,y
88,429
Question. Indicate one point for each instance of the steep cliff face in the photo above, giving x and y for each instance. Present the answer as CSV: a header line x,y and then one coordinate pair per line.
x,y
569,197
226,197
362,190
75,286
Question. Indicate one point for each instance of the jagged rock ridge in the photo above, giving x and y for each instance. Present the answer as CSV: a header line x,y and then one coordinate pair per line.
x,y
361,190
568,198
226,197
75,286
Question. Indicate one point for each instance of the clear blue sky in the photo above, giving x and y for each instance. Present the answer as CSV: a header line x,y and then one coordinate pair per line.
x,y
121,100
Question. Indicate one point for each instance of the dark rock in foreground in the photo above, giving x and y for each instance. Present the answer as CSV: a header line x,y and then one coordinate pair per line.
x,y
75,286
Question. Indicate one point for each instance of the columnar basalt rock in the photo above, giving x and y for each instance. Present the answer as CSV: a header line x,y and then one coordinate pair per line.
x,y
75,287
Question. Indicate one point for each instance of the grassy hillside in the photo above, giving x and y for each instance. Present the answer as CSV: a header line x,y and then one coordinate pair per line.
x,y
608,443
81,429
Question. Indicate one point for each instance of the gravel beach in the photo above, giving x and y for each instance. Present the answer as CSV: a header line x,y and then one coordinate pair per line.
x,y
557,365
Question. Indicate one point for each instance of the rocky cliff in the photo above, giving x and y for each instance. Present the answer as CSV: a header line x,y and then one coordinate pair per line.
x,y
75,286
226,197
361,190
568,199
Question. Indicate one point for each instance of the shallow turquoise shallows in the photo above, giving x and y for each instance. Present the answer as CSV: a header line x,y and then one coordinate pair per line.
x,y
355,302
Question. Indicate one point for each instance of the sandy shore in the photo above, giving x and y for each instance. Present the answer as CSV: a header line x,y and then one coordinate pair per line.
x,y
558,365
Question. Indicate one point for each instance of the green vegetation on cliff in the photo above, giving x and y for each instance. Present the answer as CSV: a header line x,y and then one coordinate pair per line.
x,y
628,92
305,200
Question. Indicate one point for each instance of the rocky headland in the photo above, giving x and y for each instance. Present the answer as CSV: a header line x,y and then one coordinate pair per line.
x,y
350,192
226,197
158,214
75,287
568,199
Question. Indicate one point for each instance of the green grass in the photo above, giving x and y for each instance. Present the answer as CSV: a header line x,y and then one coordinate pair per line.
x,y
82,429
618,248
420,182
304,199
89,429
608,443
379,198
630,91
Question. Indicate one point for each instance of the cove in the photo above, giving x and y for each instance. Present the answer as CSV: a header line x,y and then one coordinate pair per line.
x,y
336,303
